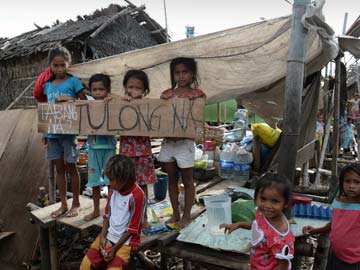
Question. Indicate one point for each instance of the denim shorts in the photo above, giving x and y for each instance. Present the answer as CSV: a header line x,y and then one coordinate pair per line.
x,y
65,148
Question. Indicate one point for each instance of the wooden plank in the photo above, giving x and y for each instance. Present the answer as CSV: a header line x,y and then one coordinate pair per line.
x,y
199,254
43,215
305,153
150,117
8,120
202,186
23,170
5,234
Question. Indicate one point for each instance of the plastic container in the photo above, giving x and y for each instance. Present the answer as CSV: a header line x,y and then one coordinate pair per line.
x,y
160,187
226,164
242,164
204,174
218,211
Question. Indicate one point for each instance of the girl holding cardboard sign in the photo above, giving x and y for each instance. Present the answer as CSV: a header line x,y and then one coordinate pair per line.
x,y
180,152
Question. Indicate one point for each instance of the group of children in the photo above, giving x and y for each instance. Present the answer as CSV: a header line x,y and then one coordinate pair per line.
x,y
127,174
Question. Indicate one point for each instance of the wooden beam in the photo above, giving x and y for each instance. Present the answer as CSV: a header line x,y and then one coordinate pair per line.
x,y
305,153
335,134
294,85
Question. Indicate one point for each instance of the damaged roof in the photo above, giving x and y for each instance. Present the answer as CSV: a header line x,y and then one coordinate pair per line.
x,y
42,39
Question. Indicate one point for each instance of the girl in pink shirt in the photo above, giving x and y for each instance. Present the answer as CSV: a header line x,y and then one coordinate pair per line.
x,y
272,243
344,227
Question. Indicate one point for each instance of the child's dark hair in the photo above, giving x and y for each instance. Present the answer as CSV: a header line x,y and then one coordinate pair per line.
x,y
281,183
190,63
99,77
354,167
59,51
140,75
120,168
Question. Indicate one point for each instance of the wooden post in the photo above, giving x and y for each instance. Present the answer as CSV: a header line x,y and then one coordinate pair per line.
x,y
325,141
293,92
335,135
186,264
53,248
305,174
51,181
163,261
218,113
322,252
44,249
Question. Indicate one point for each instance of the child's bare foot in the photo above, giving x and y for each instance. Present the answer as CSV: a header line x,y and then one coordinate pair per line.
x,y
92,215
146,225
173,219
59,212
74,211
183,222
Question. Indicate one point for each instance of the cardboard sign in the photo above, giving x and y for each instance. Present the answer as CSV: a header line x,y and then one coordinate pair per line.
x,y
182,118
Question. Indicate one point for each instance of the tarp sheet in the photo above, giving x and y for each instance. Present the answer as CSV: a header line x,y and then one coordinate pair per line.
x,y
248,61
350,44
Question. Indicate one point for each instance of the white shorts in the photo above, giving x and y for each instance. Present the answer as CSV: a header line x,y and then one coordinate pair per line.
x,y
182,151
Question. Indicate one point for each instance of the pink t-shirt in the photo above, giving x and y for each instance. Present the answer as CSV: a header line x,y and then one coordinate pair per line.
x,y
269,245
345,231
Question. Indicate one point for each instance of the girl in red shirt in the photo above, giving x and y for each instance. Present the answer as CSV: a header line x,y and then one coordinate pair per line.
x,y
272,243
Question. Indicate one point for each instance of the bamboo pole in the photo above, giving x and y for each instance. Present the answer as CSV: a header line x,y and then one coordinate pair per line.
x,y
335,135
325,141
293,92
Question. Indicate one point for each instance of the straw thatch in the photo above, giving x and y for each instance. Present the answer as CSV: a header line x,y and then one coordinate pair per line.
x,y
24,56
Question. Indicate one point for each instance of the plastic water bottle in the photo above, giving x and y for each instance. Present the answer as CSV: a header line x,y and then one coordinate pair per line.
x,y
226,168
242,164
240,123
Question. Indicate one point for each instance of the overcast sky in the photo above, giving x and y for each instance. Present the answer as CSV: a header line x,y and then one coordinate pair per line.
x,y
207,16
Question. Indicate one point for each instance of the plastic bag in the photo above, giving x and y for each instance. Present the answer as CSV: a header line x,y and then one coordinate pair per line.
x,y
243,210
267,134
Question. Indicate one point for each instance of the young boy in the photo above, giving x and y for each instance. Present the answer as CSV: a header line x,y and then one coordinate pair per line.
x,y
101,147
123,218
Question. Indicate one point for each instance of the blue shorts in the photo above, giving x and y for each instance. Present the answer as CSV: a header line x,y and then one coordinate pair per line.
x,y
65,148
97,159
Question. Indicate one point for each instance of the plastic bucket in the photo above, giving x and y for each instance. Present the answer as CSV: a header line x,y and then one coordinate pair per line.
x,y
218,210
160,188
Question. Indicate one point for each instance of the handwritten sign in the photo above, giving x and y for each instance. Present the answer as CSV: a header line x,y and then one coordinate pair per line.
x,y
150,117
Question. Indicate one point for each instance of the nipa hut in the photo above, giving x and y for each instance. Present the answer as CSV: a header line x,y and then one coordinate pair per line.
x,y
106,32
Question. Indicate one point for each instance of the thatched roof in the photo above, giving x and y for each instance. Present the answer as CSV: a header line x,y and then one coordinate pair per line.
x,y
48,37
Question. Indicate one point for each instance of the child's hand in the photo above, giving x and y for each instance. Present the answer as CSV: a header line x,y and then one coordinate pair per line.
x,y
308,230
110,254
60,99
102,242
44,141
107,99
229,228
126,98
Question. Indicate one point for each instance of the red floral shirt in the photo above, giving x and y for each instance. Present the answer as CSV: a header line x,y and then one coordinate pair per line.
x,y
269,245
192,94
135,146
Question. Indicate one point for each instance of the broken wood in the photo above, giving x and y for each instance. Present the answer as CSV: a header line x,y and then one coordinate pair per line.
x,y
21,94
